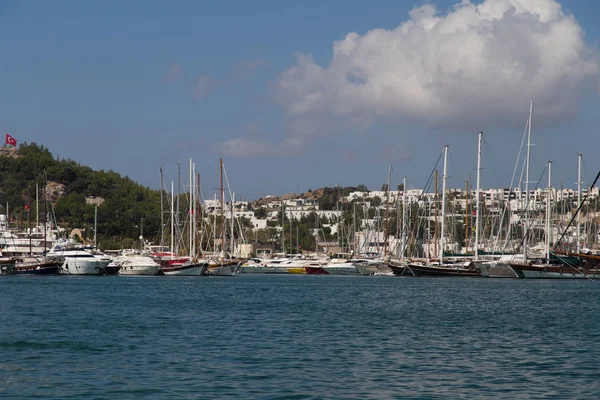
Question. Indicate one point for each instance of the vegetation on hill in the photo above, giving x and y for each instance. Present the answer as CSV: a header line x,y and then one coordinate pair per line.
x,y
125,207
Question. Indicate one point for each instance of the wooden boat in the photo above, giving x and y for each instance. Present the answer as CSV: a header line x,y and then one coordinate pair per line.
x,y
454,270
36,266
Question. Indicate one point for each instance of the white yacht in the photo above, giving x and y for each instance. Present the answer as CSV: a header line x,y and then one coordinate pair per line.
x,y
79,260
136,263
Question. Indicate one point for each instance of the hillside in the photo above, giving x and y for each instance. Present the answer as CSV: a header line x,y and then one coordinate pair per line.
x,y
72,191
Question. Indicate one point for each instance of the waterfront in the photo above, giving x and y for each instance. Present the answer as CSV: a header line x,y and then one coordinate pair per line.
x,y
256,336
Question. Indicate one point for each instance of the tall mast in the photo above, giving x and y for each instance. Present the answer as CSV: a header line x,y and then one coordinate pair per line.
x,y
29,216
282,229
172,217
579,202
525,225
435,207
95,224
232,222
548,211
222,207
467,215
199,206
194,209
353,226
37,206
477,207
444,177
45,212
387,211
404,222
177,213
191,210
162,212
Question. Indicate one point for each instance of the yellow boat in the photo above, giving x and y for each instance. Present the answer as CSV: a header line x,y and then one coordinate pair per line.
x,y
297,270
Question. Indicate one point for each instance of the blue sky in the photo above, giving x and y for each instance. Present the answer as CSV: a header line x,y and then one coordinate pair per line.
x,y
130,85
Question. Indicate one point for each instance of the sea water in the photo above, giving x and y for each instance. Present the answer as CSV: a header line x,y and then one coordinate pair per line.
x,y
298,337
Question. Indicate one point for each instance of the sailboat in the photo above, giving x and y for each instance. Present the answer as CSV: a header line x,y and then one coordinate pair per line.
x,y
442,267
221,265
191,265
505,266
566,265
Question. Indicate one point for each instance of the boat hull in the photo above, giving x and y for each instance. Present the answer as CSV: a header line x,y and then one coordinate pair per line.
x,y
42,268
84,266
190,269
431,270
499,270
366,269
297,270
252,269
341,270
139,270
553,272
315,270
398,270
222,270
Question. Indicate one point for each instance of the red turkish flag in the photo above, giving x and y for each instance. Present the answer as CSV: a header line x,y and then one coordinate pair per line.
x,y
10,140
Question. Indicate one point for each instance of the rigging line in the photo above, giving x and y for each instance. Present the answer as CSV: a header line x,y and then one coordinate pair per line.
x,y
577,211
512,181
415,228
566,262
521,217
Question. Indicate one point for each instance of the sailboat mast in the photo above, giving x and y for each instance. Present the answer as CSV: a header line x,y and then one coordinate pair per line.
x,y
441,254
579,202
191,210
232,222
194,209
387,211
467,215
477,192
435,207
222,206
177,214
199,207
172,217
95,225
404,222
45,212
353,227
37,206
525,225
282,229
548,211
162,213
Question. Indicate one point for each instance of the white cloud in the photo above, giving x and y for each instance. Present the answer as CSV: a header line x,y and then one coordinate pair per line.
x,y
246,147
203,85
476,66
174,73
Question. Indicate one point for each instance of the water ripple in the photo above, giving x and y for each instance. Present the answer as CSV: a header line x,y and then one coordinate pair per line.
x,y
298,337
